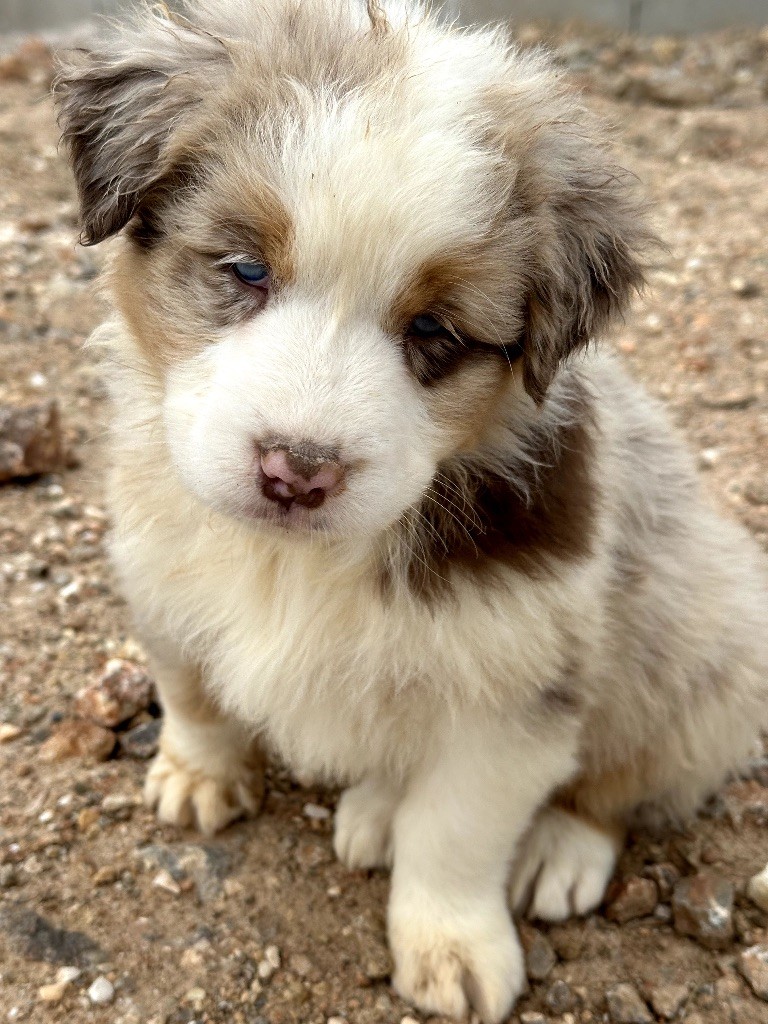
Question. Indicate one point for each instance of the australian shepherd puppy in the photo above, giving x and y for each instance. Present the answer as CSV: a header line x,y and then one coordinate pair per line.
x,y
369,510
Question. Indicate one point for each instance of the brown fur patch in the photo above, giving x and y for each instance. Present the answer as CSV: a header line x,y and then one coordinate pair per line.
x,y
542,513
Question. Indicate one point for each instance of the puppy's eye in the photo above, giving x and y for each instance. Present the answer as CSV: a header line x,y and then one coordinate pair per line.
x,y
254,274
426,326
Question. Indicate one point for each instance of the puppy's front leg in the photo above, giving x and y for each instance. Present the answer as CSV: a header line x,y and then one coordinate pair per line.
x,y
209,770
454,835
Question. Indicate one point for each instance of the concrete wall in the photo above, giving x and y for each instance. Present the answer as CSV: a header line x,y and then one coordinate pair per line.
x,y
639,15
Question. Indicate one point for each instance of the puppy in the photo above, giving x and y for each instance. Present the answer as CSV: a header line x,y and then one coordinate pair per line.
x,y
369,510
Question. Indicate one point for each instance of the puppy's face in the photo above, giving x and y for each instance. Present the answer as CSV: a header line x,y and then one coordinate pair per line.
x,y
346,252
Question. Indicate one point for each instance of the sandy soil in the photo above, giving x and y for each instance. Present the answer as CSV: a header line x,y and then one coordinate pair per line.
x,y
261,925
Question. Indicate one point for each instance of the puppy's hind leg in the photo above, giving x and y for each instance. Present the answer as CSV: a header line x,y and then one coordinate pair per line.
x,y
209,771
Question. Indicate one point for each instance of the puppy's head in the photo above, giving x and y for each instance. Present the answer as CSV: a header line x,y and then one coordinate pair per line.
x,y
352,237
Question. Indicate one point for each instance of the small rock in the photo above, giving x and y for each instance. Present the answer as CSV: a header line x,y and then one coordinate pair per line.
x,y
31,441
102,991
165,881
52,993
668,1000
206,866
665,876
269,964
315,812
78,739
743,288
753,967
568,941
68,974
626,1007
301,965
757,889
87,817
105,875
708,457
117,803
702,906
737,398
531,1017
631,898
122,690
560,997
142,741
9,732
540,958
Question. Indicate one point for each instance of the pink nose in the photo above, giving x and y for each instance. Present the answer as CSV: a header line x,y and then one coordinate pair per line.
x,y
304,474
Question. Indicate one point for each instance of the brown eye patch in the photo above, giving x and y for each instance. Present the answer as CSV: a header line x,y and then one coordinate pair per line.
x,y
434,358
472,306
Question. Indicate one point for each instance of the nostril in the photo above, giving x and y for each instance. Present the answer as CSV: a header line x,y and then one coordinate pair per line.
x,y
304,473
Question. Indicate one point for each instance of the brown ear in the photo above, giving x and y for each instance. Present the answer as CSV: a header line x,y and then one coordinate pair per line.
x,y
588,264
121,107
582,219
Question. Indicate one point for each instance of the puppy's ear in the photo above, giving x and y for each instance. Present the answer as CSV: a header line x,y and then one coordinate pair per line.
x,y
582,217
588,264
122,107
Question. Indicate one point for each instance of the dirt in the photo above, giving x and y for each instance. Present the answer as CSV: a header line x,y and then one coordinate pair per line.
x,y
261,924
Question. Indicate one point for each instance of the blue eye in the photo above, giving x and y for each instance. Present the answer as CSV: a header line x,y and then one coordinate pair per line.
x,y
425,326
254,274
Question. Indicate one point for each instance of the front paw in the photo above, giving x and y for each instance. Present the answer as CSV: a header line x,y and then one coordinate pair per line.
x,y
446,964
362,835
185,795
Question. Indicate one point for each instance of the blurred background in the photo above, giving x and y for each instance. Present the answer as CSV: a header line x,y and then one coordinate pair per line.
x,y
632,15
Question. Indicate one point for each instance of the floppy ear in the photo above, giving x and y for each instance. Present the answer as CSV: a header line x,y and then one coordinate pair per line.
x,y
588,263
581,217
122,107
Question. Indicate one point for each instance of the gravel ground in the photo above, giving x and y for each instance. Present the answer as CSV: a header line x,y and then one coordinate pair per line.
x,y
107,917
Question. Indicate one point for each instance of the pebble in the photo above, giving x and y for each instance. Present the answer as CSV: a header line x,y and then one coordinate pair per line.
x,y
531,1017
757,889
142,741
702,906
122,690
205,866
269,964
53,993
753,967
102,991
78,739
31,441
708,457
631,898
625,1005
743,288
667,1000
540,957
560,997
164,880
568,941
117,803
68,974
9,732
316,813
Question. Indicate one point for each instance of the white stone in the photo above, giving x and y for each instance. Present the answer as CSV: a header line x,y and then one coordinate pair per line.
x,y
67,974
757,889
102,991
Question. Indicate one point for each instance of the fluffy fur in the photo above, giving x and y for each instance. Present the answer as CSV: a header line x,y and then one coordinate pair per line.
x,y
517,625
